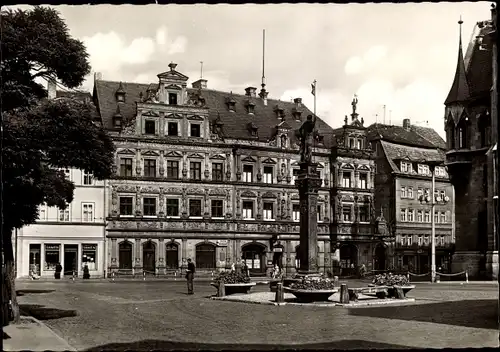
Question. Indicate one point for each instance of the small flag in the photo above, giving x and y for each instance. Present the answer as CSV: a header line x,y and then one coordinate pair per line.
x,y
313,88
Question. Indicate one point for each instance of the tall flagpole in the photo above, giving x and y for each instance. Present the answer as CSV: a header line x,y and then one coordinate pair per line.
x,y
313,91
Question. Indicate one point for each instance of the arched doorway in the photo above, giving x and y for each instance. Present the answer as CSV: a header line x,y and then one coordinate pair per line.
x,y
255,256
379,258
205,256
125,255
149,257
348,259
172,256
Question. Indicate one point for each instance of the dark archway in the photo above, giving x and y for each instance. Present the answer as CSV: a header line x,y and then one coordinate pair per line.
x,y
172,256
205,256
254,254
379,258
125,255
348,259
149,257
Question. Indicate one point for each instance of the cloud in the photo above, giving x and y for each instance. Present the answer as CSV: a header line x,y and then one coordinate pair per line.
x,y
178,46
353,65
356,64
161,36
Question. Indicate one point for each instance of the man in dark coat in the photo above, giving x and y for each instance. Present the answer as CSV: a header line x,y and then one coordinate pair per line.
x,y
190,276
57,274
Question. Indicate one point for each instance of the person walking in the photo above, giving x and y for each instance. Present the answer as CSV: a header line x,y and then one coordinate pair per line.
x,y
190,276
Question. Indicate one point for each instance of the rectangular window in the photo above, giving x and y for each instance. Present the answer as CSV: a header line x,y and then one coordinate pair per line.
x,y
89,256
403,240
443,240
442,194
149,127
427,216
42,212
420,216
149,205
363,181
403,192
64,214
295,174
87,212
420,193
427,240
149,167
173,129
436,217
268,174
247,209
172,169
359,144
346,179
195,130
126,167
403,215
88,178
296,212
420,240
363,213
409,239
172,207
319,213
52,256
405,167
268,211
195,170
172,98
247,173
409,194
195,207
411,215
126,206
443,217
346,213
351,142
217,208
217,172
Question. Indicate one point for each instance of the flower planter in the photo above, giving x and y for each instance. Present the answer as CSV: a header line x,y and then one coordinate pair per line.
x,y
309,296
273,284
391,291
231,289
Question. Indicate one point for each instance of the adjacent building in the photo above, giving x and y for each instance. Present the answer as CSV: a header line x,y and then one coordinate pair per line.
x,y
73,237
471,124
401,178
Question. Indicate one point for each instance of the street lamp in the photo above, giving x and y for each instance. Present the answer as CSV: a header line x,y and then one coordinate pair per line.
x,y
433,200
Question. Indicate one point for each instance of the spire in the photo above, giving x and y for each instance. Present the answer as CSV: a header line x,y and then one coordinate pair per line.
x,y
460,88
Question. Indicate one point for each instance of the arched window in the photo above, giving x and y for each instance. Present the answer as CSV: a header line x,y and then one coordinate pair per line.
x,y
463,134
149,257
483,126
283,141
172,256
205,256
125,255
450,133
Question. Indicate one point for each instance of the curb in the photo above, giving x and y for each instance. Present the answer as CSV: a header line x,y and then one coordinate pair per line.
x,y
330,305
267,303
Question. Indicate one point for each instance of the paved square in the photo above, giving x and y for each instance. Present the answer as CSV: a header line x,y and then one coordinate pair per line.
x,y
149,315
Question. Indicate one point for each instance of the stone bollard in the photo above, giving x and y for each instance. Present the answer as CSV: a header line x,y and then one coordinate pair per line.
x,y
344,294
280,293
221,292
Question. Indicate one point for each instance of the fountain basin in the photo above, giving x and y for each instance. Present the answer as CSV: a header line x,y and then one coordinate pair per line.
x,y
231,289
309,296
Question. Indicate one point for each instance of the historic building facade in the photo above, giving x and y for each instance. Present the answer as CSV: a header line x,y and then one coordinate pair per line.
x,y
403,176
74,236
206,175
471,124
353,173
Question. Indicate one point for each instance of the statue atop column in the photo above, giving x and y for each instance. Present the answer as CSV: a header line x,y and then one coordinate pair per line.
x,y
306,135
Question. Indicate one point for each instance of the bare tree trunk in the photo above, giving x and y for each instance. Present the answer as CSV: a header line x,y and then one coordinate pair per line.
x,y
10,276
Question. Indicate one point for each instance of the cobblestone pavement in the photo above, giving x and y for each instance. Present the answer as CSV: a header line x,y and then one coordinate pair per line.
x,y
160,315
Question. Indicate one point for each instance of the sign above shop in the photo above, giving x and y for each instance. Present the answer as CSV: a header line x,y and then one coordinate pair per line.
x,y
222,243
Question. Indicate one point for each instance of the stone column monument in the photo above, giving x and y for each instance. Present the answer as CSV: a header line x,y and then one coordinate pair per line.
x,y
308,183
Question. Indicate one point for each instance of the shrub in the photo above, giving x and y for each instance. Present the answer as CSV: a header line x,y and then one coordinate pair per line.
x,y
231,277
313,283
390,280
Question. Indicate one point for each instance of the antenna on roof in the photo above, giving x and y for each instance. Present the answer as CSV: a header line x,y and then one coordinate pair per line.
x,y
201,73
263,57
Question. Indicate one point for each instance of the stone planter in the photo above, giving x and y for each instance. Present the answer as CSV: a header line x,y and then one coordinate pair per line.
x,y
273,284
309,296
231,289
391,291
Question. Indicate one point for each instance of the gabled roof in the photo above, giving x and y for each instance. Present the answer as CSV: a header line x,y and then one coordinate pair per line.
x,y
395,152
430,135
235,123
399,135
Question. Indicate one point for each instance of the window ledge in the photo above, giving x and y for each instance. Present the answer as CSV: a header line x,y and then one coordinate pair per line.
x,y
248,218
150,216
195,217
269,219
218,217
126,216
173,217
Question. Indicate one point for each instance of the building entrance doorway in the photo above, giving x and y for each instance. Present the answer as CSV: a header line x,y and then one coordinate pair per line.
x,y
379,257
125,256
172,256
205,256
34,264
348,259
254,256
70,259
149,257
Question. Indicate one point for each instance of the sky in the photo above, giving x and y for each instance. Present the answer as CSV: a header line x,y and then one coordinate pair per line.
x,y
402,56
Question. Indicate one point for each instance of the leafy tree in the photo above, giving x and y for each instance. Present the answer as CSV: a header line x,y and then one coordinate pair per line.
x,y
41,136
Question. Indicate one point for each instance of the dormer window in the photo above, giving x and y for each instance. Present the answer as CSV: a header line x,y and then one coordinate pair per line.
x,y
172,98
120,94
250,107
359,143
252,128
296,114
280,112
117,122
120,98
283,141
406,166
351,142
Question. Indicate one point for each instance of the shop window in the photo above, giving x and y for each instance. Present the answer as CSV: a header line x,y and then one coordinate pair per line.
x,y
89,256
172,207
195,170
149,205
217,208
52,256
126,206
126,167
195,207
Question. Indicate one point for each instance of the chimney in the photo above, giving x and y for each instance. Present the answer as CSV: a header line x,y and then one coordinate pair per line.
x,y
200,84
263,94
298,102
406,124
250,92
51,89
97,76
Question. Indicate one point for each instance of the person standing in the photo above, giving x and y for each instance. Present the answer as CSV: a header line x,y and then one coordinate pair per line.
x,y
190,276
57,274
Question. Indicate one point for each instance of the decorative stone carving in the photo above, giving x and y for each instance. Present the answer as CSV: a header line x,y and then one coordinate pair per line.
x,y
217,192
173,191
197,191
149,189
125,188
248,194
269,194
